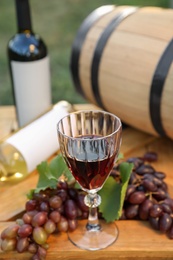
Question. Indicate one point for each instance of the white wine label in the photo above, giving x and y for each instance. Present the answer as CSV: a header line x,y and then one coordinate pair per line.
x,y
32,89
38,140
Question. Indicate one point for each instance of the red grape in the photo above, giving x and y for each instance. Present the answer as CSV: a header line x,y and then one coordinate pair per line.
x,y
70,209
55,202
144,209
25,230
39,219
165,222
22,244
137,197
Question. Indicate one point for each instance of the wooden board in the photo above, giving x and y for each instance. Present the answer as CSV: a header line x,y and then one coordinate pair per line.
x,y
136,238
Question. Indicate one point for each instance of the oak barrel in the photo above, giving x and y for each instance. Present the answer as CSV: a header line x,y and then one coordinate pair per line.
x,y
121,60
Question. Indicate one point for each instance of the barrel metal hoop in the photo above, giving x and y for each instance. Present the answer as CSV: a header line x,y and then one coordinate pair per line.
x,y
99,51
157,86
79,40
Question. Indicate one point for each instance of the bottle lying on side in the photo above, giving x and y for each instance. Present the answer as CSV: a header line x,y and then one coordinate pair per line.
x,y
21,152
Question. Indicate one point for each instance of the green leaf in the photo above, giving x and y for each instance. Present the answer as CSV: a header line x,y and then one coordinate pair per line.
x,y
110,195
120,156
125,172
50,173
113,194
59,167
46,179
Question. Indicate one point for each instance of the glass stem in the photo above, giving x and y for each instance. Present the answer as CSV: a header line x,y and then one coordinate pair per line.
x,y
93,200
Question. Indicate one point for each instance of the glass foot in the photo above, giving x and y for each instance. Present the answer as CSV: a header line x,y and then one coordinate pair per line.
x,y
94,240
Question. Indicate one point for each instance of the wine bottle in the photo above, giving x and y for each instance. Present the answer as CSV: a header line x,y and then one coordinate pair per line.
x,y
29,68
21,152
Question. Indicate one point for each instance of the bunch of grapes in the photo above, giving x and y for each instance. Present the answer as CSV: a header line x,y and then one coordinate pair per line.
x,y
48,212
58,210
147,196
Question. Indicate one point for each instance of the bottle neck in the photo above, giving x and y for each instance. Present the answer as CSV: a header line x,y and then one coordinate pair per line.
x,y
23,15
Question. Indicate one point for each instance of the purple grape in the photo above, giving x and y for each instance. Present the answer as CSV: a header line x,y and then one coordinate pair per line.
x,y
55,216
10,232
28,216
160,195
62,185
164,186
154,222
137,197
73,193
131,211
169,201
70,209
31,205
149,185
136,161
41,252
62,193
39,219
157,182
166,208
44,206
25,230
145,168
165,222
156,211
144,209
22,245
150,157
81,203
160,175
133,178
41,196
140,188
55,202
130,189
32,248
61,209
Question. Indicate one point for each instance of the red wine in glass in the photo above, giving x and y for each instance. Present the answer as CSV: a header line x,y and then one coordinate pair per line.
x,y
91,166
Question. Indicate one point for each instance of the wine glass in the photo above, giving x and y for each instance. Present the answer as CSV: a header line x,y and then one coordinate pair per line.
x,y
89,142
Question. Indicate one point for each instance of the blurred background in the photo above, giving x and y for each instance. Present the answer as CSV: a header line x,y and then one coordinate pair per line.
x,y
57,22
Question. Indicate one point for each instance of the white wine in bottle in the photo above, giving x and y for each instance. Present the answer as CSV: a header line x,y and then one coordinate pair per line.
x,y
21,152
29,68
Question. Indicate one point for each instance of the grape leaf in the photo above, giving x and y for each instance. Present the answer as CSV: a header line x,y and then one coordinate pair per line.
x,y
46,179
125,171
50,173
58,168
120,156
113,194
110,198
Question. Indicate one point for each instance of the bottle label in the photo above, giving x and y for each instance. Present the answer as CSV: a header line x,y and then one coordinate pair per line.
x,y
38,140
32,90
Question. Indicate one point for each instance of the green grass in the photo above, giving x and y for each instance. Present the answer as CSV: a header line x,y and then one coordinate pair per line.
x,y
57,21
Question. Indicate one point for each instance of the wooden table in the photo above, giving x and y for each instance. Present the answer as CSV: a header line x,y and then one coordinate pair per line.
x,y
136,238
